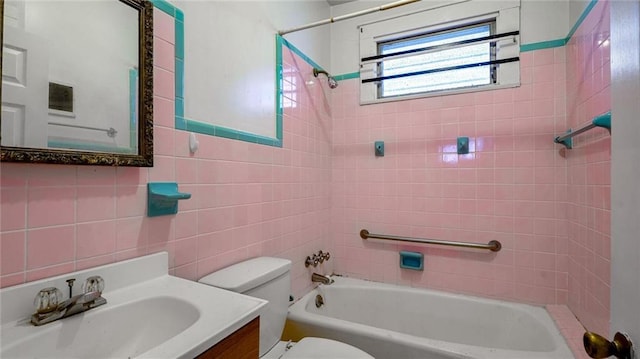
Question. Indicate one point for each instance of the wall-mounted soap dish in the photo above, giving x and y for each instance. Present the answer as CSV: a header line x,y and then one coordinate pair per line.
x,y
411,260
163,197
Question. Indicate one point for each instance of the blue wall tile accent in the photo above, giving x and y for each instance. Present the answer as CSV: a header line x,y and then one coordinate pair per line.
x,y
543,45
560,42
297,51
179,15
179,43
179,107
279,93
179,74
351,75
583,16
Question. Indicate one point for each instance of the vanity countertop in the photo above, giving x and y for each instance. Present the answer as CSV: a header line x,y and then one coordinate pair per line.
x,y
149,314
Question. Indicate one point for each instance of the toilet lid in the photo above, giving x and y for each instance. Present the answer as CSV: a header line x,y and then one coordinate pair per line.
x,y
316,348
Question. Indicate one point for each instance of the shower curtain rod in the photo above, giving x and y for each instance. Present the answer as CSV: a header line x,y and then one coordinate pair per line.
x,y
348,16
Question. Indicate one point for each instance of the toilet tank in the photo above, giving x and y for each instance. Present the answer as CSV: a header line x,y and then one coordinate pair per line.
x,y
265,278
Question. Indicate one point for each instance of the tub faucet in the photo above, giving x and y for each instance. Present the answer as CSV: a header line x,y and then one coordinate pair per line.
x,y
319,278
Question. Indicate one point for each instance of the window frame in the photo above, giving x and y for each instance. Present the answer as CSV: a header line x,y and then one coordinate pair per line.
x,y
443,17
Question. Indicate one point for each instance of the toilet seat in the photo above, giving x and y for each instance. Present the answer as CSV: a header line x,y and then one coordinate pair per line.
x,y
318,348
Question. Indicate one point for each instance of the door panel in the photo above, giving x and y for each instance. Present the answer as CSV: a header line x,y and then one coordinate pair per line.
x,y
625,169
25,89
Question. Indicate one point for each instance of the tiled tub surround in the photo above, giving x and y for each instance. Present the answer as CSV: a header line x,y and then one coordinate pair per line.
x,y
247,199
589,172
549,207
511,186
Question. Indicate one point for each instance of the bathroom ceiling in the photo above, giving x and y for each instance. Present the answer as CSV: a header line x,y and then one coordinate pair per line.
x,y
338,2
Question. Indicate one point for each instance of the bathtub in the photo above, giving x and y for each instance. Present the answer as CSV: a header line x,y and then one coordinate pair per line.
x,y
390,321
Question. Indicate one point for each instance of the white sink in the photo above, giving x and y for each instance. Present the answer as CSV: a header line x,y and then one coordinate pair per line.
x,y
124,331
159,317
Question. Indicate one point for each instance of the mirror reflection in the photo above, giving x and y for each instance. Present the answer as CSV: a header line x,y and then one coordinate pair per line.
x,y
77,82
70,76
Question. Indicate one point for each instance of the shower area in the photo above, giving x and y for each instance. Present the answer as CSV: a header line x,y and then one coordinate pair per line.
x,y
546,202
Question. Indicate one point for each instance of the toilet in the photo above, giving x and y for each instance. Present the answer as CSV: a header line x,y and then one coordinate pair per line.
x,y
270,279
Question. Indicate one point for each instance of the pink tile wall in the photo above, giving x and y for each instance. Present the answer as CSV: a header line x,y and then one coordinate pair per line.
x,y
247,200
589,177
511,186
515,186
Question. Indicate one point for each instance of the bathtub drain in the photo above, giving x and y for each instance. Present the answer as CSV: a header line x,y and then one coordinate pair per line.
x,y
319,301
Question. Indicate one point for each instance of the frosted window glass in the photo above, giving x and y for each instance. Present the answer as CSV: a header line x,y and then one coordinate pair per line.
x,y
453,79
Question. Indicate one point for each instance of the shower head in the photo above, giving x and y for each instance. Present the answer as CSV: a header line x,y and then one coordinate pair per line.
x,y
332,82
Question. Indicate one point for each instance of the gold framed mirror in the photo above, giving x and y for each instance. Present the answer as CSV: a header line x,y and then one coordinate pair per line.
x,y
74,110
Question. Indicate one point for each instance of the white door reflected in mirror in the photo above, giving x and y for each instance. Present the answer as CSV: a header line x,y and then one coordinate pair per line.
x,y
70,75
24,82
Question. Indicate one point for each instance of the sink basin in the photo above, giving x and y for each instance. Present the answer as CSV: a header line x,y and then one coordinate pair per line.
x,y
123,331
148,314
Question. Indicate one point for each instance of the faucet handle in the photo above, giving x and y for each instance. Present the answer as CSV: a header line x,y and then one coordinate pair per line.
x,y
47,300
308,262
93,284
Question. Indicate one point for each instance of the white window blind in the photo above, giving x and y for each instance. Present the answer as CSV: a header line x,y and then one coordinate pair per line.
x,y
447,58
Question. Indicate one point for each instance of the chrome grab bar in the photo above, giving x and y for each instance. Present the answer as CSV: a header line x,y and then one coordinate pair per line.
x,y
493,245
603,121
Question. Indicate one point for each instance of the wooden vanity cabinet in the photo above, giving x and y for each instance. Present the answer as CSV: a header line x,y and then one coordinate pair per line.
x,y
244,343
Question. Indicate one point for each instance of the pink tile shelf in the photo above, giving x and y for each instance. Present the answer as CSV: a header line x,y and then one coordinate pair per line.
x,y
570,328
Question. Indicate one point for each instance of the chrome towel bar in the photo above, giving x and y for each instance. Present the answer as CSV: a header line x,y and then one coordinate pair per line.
x,y
111,132
493,245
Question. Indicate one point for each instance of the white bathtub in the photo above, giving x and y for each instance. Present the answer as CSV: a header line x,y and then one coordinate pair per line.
x,y
391,321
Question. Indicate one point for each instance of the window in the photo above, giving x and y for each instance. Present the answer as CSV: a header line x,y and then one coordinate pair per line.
x,y
60,97
443,59
289,88
477,48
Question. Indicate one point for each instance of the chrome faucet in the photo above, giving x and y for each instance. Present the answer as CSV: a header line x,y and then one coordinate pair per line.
x,y
49,308
319,278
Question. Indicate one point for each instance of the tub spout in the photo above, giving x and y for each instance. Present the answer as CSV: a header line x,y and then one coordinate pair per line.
x,y
319,278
